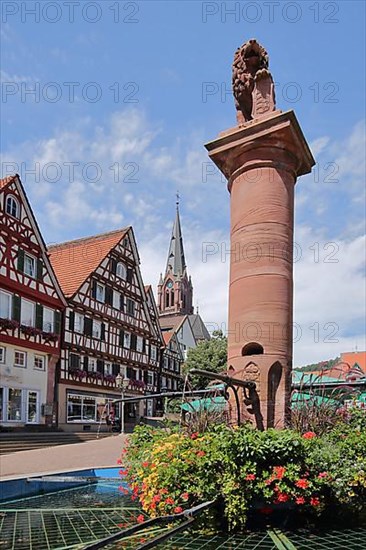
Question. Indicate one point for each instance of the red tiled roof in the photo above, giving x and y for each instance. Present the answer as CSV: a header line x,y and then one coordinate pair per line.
x,y
74,261
5,181
167,336
352,357
171,321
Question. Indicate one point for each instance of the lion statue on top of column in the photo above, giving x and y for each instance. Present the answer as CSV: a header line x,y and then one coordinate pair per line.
x,y
253,86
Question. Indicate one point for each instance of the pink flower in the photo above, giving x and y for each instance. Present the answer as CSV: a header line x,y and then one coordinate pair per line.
x,y
156,498
169,500
194,435
314,501
322,474
250,477
201,453
178,510
140,519
300,500
309,435
302,483
119,461
185,496
282,497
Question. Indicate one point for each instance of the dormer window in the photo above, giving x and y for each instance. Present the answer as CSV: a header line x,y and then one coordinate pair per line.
x,y
121,270
12,206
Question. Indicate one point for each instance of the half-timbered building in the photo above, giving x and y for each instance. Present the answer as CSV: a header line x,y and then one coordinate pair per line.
x,y
171,365
108,328
31,303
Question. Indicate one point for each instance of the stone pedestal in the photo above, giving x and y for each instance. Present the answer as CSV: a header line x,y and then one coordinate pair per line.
x,y
261,160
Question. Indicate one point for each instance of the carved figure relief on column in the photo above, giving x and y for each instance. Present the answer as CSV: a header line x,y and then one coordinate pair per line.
x,y
253,86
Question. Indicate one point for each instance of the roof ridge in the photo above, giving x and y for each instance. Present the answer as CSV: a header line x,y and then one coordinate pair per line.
x,y
83,239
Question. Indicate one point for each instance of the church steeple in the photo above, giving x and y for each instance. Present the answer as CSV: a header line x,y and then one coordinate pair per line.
x,y
176,262
175,291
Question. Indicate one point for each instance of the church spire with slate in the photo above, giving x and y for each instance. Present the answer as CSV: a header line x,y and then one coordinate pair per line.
x,y
175,291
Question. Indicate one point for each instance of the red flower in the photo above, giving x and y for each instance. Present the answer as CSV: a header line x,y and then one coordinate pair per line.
x,y
169,500
201,453
282,497
185,496
153,506
309,435
119,461
156,498
302,483
124,451
123,472
194,435
163,491
250,477
145,464
140,519
178,510
300,500
279,472
314,501
268,481
322,474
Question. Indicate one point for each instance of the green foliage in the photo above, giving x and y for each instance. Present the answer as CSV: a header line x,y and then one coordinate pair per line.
x,y
322,365
209,355
245,469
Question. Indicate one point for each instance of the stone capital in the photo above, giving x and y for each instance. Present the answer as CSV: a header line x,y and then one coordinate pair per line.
x,y
275,141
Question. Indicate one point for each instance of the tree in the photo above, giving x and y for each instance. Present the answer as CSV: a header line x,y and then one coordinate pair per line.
x,y
209,355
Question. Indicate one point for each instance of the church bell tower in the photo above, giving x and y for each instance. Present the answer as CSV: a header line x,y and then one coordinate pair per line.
x,y
175,291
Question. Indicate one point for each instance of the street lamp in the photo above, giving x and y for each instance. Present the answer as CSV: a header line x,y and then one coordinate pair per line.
x,y
122,383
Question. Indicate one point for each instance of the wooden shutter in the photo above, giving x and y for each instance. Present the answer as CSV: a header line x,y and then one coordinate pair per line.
x,y
100,365
102,331
129,276
85,362
109,295
39,269
133,341
39,316
71,320
113,266
21,260
16,308
121,302
115,369
94,289
88,326
57,322
130,373
145,376
121,337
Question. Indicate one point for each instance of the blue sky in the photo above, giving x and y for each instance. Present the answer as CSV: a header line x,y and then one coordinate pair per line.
x,y
127,93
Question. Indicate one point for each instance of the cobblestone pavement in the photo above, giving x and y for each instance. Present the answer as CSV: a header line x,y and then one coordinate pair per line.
x,y
63,458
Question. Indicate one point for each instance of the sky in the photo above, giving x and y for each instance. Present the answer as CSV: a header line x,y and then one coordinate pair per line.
x,y
106,107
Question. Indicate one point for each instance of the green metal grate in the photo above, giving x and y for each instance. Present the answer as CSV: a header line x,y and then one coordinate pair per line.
x,y
347,539
260,541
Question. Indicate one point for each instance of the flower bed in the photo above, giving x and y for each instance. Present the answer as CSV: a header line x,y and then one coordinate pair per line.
x,y
245,469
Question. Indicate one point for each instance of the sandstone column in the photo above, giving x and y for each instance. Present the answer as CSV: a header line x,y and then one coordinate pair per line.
x,y
261,158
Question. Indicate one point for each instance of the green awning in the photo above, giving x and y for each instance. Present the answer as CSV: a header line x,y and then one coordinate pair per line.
x,y
207,404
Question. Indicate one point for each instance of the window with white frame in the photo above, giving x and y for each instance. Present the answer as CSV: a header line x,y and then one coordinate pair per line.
x,y
20,359
79,322
97,329
14,409
166,364
130,306
5,305
39,362
127,340
150,377
48,319
12,206
29,265
27,313
116,299
107,369
163,382
81,408
92,364
100,292
139,344
121,270
153,353
32,407
2,354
